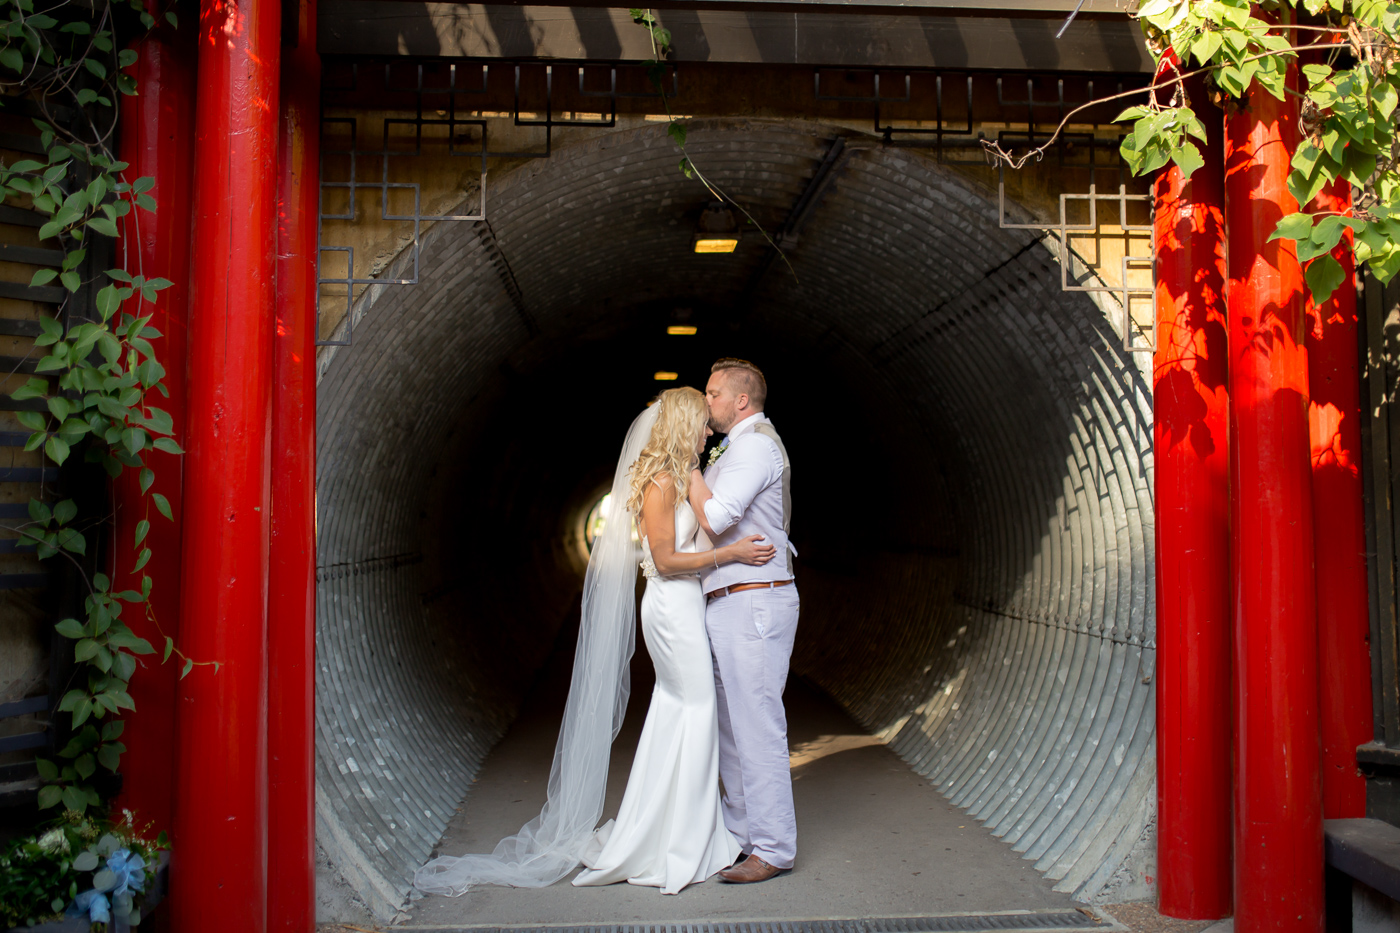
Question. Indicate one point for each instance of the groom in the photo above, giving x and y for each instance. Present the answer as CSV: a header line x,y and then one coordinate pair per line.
x,y
751,618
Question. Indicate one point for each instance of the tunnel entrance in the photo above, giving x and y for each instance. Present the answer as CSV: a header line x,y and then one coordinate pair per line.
x,y
973,449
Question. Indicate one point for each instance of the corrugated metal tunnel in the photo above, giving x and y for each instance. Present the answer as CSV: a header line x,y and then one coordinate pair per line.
x,y
972,485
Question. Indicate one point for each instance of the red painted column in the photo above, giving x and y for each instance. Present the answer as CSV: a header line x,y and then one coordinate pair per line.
x,y
220,833
157,134
291,613
1278,796
1343,626
1190,402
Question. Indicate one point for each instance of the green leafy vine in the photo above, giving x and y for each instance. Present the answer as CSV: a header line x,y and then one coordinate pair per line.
x,y
1348,109
61,64
656,70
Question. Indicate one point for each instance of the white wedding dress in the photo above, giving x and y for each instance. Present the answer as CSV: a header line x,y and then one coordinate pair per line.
x,y
670,831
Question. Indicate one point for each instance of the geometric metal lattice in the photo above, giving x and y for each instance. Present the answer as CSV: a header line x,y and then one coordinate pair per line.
x,y
964,112
431,101
1138,337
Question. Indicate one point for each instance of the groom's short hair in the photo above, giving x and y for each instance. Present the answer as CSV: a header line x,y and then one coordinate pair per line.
x,y
745,377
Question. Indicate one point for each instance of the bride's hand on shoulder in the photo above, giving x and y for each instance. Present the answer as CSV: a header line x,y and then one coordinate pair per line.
x,y
750,551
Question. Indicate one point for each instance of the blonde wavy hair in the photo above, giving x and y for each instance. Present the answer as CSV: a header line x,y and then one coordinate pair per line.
x,y
680,423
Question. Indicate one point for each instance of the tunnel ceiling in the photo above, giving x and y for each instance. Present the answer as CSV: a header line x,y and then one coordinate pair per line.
x,y
973,460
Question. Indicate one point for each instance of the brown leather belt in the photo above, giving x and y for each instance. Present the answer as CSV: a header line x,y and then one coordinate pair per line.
x,y
740,587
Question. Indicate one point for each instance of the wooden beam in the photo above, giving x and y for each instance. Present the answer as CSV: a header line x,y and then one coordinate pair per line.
x,y
389,28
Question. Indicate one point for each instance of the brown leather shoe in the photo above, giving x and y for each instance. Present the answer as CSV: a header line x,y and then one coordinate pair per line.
x,y
750,870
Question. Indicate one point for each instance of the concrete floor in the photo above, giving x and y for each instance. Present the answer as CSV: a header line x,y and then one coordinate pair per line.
x,y
875,839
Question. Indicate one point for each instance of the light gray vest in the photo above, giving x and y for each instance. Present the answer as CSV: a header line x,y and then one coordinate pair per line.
x,y
768,431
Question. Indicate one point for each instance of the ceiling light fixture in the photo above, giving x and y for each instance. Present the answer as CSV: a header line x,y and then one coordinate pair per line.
x,y
717,231
666,377
681,330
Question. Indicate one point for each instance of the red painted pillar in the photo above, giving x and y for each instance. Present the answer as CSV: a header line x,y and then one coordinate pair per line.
x,y
1190,403
157,134
221,811
291,613
1343,626
1278,796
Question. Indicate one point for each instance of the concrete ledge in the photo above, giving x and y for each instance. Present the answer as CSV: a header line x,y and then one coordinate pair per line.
x,y
1368,851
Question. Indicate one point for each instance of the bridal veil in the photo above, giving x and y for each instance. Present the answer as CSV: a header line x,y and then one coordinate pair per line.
x,y
552,844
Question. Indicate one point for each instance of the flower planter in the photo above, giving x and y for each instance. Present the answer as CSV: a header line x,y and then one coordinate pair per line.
x,y
80,925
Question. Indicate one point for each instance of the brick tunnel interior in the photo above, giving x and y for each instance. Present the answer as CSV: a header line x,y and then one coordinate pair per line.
x,y
973,460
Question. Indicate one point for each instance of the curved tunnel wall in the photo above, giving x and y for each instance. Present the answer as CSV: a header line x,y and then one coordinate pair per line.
x,y
972,507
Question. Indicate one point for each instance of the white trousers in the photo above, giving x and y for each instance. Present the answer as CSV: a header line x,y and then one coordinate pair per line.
x,y
751,635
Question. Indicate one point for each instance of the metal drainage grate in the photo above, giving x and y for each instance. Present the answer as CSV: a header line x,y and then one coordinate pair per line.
x,y
960,923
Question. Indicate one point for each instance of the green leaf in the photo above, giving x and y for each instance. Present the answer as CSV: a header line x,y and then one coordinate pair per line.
x,y
48,771
70,539
108,301
134,439
143,527
169,647
86,765
110,757
65,511
168,445
57,448
50,796
1296,226
147,477
86,860
75,799
34,388
85,650
1323,275
1188,159
113,730
103,226
81,711
162,505
43,277
11,58
189,666
96,67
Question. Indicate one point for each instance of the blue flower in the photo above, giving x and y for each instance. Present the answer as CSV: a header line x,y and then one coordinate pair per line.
x,y
93,904
128,871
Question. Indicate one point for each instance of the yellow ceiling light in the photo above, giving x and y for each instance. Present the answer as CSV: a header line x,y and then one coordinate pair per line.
x,y
717,231
716,244
666,377
681,330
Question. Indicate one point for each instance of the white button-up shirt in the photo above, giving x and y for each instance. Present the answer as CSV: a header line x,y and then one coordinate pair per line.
x,y
747,487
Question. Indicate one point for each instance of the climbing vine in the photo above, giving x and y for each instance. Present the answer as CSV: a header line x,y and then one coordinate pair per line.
x,y
98,372
661,49
1349,88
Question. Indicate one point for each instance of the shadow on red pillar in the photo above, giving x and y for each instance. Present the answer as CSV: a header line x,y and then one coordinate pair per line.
x,y
157,141
219,884
1278,795
1339,533
292,573
1190,402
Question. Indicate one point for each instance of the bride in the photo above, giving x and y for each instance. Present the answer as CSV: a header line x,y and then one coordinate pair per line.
x,y
669,830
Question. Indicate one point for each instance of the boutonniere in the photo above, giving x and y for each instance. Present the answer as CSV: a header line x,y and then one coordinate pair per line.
x,y
716,454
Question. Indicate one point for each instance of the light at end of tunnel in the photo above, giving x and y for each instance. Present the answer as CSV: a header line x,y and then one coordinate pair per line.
x,y
666,377
681,330
716,244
